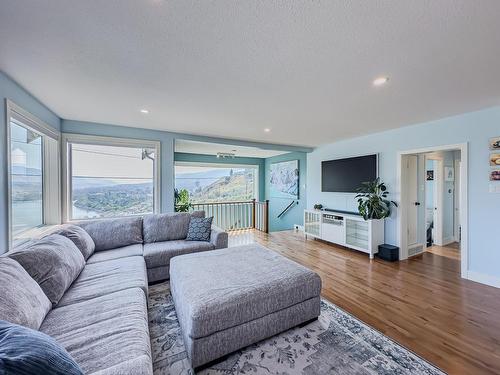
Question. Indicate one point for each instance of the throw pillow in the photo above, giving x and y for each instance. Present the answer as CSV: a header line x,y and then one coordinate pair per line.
x,y
22,300
29,352
80,238
53,261
199,229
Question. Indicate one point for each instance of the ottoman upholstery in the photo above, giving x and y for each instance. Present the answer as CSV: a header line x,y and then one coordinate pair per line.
x,y
227,299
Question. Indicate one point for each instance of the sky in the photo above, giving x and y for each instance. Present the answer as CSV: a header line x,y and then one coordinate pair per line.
x,y
110,162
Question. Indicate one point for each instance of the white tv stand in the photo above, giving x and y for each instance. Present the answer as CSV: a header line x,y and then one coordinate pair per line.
x,y
349,230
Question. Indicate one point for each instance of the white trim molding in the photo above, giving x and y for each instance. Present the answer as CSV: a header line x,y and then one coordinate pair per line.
x,y
39,126
482,278
68,139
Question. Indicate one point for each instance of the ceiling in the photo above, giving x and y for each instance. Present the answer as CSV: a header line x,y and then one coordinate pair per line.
x,y
227,68
207,148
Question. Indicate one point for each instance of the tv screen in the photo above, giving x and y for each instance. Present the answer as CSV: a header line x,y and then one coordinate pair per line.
x,y
347,175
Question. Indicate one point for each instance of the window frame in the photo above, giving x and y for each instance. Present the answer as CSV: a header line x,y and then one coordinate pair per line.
x,y
255,167
51,213
67,173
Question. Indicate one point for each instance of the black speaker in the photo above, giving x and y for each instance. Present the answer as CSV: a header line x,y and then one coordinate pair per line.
x,y
388,252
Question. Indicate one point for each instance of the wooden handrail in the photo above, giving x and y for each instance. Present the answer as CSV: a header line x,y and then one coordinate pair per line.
x,y
216,203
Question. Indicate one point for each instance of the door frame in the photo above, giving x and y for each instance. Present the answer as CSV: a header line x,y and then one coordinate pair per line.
x,y
457,200
402,212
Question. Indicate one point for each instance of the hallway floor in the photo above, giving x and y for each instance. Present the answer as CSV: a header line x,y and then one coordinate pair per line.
x,y
451,251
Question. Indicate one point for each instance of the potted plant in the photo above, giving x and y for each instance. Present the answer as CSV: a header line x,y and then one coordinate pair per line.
x,y
372,200
182,200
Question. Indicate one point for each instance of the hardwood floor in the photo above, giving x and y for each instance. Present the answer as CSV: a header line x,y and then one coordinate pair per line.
x,y
421,303
450,251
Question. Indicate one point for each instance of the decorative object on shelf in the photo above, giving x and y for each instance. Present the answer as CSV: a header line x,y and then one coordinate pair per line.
x,y
284,179
495,160
495,175
372,200
495,143
318,206
430,176
449,174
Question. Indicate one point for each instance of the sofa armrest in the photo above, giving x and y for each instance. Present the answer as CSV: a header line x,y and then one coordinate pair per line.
x,y
218,237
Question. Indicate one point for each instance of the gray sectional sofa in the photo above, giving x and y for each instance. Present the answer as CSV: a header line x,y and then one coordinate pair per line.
x,y
91,286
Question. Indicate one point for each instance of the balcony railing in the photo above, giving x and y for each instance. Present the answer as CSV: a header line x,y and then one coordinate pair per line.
x,y
237,215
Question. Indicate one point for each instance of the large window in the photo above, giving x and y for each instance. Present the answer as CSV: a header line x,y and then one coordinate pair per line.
x,y
33,173
110,178
26,165
217,183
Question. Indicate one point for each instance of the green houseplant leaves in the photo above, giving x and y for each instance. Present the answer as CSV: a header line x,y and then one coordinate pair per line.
x,y
372,200
182,200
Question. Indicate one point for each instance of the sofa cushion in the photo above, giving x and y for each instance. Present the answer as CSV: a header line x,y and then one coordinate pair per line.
x,y
112,233
53,261
121,252
224,288
80,238
168,227
22,300
140,365
199,229
158,254
102,278
26,351
104,332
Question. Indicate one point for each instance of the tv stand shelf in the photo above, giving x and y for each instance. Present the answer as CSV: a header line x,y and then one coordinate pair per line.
x,y
346,229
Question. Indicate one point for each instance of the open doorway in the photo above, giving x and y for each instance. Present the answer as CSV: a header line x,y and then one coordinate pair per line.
x,y
442,202
432,217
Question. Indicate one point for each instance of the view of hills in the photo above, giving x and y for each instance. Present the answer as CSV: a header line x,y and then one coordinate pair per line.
x,y
101,197
112,200
215,185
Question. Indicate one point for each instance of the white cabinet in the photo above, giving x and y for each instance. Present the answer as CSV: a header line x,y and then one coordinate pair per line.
x,y
345,229
312,223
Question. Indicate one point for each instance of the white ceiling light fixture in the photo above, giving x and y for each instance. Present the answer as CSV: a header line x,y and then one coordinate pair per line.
x,y
223,155
380,81
145,111
267,130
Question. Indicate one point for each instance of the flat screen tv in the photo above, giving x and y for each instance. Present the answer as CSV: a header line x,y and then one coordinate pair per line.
x,y
347,175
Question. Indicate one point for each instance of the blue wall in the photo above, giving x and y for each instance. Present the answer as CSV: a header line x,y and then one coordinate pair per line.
x,y
296,214
199,158
11,90
475,128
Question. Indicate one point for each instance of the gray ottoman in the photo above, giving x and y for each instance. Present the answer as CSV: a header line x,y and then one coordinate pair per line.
x,y
231,298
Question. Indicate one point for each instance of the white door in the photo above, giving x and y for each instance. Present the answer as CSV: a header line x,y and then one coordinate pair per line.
x,y
413,203
438,198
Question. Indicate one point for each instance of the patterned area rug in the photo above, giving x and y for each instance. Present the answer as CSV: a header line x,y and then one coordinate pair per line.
x,y
337,343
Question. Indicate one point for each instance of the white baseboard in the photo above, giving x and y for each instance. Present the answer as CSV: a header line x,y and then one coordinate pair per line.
x,y
483,278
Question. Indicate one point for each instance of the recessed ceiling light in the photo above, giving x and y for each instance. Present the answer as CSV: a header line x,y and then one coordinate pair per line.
x,y
380,81
267,130
145,111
